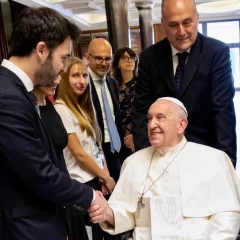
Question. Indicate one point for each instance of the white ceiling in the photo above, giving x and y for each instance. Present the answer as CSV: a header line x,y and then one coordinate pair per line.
x,y
90,15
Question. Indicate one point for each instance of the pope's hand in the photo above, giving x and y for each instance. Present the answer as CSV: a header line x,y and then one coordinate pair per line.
x,y
98,208
100,211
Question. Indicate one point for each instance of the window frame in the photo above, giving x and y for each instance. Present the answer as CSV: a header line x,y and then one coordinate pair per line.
x,y
230,45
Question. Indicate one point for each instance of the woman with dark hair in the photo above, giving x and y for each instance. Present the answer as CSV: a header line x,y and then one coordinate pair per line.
x,y
125,68
52,121
83,155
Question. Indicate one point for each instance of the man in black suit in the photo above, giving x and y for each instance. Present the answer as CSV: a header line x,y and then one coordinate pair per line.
x,y
99,59
34,185
201,78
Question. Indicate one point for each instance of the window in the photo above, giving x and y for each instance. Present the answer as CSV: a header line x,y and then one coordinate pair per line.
x,y
234,57
227,32
200,28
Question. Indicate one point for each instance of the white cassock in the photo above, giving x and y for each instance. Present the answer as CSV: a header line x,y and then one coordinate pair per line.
x,y
196,196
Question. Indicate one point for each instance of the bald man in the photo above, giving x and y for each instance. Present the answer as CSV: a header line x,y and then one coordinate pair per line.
x,y
194,69
99,59
175,189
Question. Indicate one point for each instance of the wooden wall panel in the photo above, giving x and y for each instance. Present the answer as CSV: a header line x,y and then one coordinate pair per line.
x,y
159,33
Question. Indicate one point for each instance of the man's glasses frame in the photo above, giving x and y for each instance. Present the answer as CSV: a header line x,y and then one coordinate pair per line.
x,y
99,60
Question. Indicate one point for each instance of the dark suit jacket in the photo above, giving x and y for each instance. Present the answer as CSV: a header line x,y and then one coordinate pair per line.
x,y
34,185
113,159
114,92
207,91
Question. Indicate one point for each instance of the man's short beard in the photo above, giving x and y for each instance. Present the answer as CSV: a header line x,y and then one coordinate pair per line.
x,y
46,75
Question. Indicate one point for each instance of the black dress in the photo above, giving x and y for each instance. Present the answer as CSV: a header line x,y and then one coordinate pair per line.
x,y
59,138
55,129
126,97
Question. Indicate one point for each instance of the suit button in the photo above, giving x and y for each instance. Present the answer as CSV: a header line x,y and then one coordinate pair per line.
x,y
78,208
81,209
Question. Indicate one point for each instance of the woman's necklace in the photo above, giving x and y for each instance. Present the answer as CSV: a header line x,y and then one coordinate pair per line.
x,y
140,203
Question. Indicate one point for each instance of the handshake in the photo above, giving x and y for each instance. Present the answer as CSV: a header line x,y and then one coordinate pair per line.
x,y
100,211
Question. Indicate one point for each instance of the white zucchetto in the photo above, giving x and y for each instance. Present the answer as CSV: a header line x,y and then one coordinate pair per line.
x,y
176,101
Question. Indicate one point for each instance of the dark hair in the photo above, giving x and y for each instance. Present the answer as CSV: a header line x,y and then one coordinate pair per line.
x,y
117,56
34,25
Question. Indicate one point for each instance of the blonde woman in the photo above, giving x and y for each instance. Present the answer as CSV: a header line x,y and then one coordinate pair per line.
x,y
83,155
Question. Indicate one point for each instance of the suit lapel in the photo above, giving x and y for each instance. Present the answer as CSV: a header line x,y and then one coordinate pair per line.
x,y
95,98
112,91
193,62
163,56
94,94
97,105
39,123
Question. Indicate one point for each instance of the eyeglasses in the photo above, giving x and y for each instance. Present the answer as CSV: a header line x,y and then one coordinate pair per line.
x,y
128,59
100,60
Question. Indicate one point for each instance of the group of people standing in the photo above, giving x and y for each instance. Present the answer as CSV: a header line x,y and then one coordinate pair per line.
x,y
61,159
78,126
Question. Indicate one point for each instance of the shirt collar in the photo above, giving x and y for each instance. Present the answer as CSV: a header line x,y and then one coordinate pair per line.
x,y
175,51
94,76
174,149
27,82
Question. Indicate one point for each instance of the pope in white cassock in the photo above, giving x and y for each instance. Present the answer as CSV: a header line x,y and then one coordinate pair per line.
x,y
175,189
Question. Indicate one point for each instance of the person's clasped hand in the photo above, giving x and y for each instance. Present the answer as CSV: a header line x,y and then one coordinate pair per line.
x,y
128,141
109,183
98,209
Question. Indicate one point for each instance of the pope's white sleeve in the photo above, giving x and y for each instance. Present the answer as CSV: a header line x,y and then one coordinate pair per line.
x,y
124,221
223,226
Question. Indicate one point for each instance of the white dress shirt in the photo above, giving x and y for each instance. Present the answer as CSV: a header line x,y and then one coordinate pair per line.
x,y
27,82
97,85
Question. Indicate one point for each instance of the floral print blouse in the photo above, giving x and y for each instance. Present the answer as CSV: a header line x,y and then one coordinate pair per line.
x,y
126,99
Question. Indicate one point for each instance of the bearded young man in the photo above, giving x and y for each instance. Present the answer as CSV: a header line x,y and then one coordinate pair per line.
x,y
174,189
35,186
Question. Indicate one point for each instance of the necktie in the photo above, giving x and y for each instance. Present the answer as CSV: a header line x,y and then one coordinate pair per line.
x,y
112,129
180,69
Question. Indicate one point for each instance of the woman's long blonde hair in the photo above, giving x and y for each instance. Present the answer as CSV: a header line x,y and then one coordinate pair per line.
x,y
82,107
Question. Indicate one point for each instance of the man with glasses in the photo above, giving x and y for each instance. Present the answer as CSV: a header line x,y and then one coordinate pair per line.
x,y
105,95
105,98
